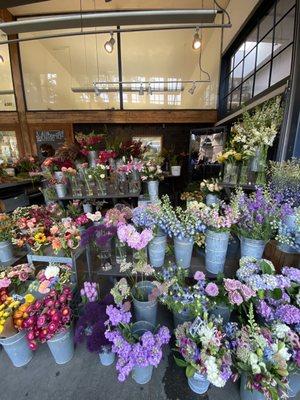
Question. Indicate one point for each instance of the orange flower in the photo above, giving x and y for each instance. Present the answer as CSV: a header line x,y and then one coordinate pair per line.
x,y
56,244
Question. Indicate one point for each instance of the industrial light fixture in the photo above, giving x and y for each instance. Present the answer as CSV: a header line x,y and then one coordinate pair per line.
x,y
141,91
109,45
196,40
192,89
1,59
150,90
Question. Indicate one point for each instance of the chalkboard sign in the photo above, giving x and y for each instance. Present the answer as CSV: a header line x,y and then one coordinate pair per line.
x,y
48,142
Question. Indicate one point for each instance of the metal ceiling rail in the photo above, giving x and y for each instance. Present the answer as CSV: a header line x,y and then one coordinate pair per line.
x,y
123,18
121,30
16,3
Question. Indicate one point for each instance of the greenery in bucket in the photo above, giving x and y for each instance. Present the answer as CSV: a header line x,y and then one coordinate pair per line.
x,y
6,225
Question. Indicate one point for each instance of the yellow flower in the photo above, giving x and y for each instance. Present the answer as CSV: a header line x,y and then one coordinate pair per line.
x,y
29,298
238,156
40,237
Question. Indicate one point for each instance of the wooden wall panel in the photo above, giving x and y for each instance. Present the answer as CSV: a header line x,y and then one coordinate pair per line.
x,y
124,117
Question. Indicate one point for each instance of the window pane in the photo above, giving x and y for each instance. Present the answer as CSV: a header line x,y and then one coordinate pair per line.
x,y
249,63
165,66
237,75
239,55
8,146
230,82
251,41
282,7
284,31
266,24
247,90
66,64
7,98
282,65
235,99
262,79
264,50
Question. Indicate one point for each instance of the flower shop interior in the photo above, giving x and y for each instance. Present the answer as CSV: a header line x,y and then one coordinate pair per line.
x,y
150,199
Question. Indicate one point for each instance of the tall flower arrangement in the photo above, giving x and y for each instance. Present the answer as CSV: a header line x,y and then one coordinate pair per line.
x,y
259,214
177,222
205,349
151,172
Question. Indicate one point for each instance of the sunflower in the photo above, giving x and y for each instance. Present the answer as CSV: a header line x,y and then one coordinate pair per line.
x,y
40,237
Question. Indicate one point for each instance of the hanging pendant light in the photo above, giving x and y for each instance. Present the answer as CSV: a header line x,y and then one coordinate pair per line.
x,y
196,41
192,89
109,45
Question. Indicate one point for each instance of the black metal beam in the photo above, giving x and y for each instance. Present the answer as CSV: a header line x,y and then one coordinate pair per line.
x,y
16,3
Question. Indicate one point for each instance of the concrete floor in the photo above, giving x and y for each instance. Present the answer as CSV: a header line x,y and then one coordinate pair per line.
x,y
85,379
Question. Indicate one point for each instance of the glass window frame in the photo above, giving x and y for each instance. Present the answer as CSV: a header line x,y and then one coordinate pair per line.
x,y
228,64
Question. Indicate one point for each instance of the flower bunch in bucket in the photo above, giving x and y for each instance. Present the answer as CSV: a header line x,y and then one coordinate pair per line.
x,y
117,216
16,278
54,276
211,186
278,294
89,142
6,227
91,328
151,172
262,359
205,350
48,317
138,346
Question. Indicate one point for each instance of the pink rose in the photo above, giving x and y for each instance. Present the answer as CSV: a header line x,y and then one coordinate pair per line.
x,y
23,276
235,298
199,276
212,289
247,292
232,284
4,283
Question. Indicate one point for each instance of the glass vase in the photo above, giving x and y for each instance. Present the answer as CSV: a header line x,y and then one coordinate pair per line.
x,y
122,183
75,186
120,251
230,173
101,187
134,183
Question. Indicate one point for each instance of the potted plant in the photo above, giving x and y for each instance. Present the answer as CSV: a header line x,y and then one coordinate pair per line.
x,y
60,185
175,165
147,217
259,214
219,218
49,321
211,190
183,226
6,225
205,353
134,344
12,335
152,174
91,325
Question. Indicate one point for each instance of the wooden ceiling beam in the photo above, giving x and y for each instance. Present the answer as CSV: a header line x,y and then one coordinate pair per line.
x,y
124,117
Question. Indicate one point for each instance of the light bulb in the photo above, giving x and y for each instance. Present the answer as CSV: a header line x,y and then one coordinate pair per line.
x,y
196,41
109,45
141,91
192,89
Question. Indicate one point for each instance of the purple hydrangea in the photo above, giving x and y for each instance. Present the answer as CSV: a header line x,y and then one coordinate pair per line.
x,y
288,314
118,315
292,273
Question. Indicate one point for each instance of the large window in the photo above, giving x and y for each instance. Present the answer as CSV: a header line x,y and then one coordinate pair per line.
x,y
59,73
7,98
262,59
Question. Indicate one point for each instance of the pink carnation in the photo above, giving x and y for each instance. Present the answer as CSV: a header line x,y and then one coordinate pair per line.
x,y
247,292
199,276
212,289
235,298
232,284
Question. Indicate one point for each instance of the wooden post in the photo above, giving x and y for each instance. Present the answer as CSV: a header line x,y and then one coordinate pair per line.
x,y
24,142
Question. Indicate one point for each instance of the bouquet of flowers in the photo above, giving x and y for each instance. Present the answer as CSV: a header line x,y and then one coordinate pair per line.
x,y
257,129
230,156
91,326
259,214
12,314
177,222
262,358
211,186
290,236
81,221
54,164
285,181
218,217
96,217
89,142
27,164
132,350
55,276
131,149
48,317
205,349
146,216
6,226
106,155
278,294
130,167
151,172
98,235
192,196
65,236
15,277
117,216
89,292
129,235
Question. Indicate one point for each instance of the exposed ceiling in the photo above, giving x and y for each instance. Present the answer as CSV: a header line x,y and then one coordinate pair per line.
x,y
67,6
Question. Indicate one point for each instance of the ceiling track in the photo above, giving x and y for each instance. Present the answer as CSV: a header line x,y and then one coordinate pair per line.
x,y
116,30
